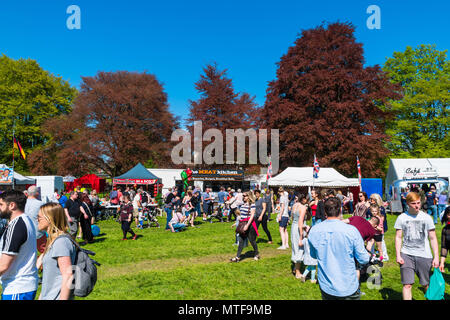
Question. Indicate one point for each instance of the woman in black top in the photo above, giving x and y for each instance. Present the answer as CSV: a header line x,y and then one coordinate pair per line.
x,y
445,238
86,230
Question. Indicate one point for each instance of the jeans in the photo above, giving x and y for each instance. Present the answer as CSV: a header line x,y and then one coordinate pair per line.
x,y
178,226
169,216
313,272
264,225
126,227
433,210
252,238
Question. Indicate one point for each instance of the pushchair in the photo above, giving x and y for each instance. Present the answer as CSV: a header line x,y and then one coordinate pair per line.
x,y
150,217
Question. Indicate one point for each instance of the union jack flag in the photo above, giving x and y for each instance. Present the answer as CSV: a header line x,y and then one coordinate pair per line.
x,y
316,168
358,165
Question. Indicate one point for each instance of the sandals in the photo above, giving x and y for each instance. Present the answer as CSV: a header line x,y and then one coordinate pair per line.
x,y
235,259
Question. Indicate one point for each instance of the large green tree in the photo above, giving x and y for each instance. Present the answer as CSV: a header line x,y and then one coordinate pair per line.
x,y
29,95
421,123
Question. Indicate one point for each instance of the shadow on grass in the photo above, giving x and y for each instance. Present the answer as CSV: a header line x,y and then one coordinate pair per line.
x,y
389,294
248,255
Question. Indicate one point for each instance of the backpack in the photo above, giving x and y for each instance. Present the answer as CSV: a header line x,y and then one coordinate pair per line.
x,y
85,271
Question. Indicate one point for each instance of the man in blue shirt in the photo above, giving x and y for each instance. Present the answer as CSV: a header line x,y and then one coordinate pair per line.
x,y
336,245
222,197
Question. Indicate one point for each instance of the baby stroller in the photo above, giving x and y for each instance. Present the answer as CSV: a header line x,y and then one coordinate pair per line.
x,y
150,217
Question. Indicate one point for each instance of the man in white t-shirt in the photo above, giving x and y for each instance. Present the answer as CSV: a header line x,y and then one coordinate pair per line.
x,y
137,206
413,254
19,275
283,218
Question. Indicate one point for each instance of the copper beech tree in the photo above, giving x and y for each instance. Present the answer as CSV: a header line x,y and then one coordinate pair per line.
x,y
220,107
118,119
324,101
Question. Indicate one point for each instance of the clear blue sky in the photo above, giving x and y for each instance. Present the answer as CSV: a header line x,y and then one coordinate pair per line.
x,y
175,39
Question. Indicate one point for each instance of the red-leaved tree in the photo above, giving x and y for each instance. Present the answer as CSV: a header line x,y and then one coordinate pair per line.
x,y
220,107
325,102
118,119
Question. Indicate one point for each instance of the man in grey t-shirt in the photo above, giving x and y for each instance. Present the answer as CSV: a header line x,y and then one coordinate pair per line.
x,y
414,256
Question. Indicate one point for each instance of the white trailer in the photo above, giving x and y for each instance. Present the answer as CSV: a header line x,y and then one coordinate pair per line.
x,y
48,185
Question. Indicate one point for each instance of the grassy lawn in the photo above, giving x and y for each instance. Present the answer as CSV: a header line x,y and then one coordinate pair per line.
x,y
194,264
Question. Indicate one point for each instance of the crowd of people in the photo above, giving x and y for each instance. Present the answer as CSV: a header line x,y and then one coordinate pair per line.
x,y
333,250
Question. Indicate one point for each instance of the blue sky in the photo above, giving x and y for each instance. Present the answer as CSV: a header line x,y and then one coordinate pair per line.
x,y
175,39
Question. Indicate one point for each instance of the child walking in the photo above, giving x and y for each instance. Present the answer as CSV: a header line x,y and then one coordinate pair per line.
x,y
308,261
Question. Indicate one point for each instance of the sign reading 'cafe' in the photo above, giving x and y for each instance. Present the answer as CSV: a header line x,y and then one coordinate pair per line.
x,y
419,173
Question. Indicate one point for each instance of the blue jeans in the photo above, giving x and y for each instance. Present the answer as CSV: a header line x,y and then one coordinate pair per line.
x,y
169,216
20,296
178,226
433,210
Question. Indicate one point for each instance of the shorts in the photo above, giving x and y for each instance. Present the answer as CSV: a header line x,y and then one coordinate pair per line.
x,y
415,265
284,222
378,237
20,296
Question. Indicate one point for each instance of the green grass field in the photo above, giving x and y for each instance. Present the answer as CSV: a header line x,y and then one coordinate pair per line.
x,y
194,264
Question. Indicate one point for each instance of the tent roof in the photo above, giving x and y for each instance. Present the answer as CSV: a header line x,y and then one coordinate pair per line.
x,y
138,172
303,177
20,179
397,167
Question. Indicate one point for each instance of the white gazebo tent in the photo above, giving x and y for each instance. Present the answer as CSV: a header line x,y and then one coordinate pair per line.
x,y
303,177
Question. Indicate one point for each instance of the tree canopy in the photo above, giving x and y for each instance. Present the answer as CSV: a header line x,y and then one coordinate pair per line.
x,y
118,119
29,96
325,102
421,123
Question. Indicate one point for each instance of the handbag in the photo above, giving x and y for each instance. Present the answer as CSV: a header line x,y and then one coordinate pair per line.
x,y
240,228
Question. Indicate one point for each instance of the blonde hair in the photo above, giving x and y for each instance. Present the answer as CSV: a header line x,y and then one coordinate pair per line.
x,y
251,196
54,214
375,207
377,198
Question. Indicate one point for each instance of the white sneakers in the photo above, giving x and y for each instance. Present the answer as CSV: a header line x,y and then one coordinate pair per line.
x,y
283,248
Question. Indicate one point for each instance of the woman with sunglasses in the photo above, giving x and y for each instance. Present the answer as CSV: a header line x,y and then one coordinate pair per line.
x,y
247,213
59,254
362,206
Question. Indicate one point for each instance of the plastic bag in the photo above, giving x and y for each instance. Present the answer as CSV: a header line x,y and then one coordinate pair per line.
x,y
436,288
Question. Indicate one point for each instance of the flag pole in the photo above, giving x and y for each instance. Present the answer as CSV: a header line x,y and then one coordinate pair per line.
x,y
14,126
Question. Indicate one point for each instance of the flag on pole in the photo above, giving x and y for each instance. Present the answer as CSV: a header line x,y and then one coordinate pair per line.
x,y
19,147
316,168
358,165
269,171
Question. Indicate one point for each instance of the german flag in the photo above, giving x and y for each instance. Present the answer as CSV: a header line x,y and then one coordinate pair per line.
x,y
19,147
